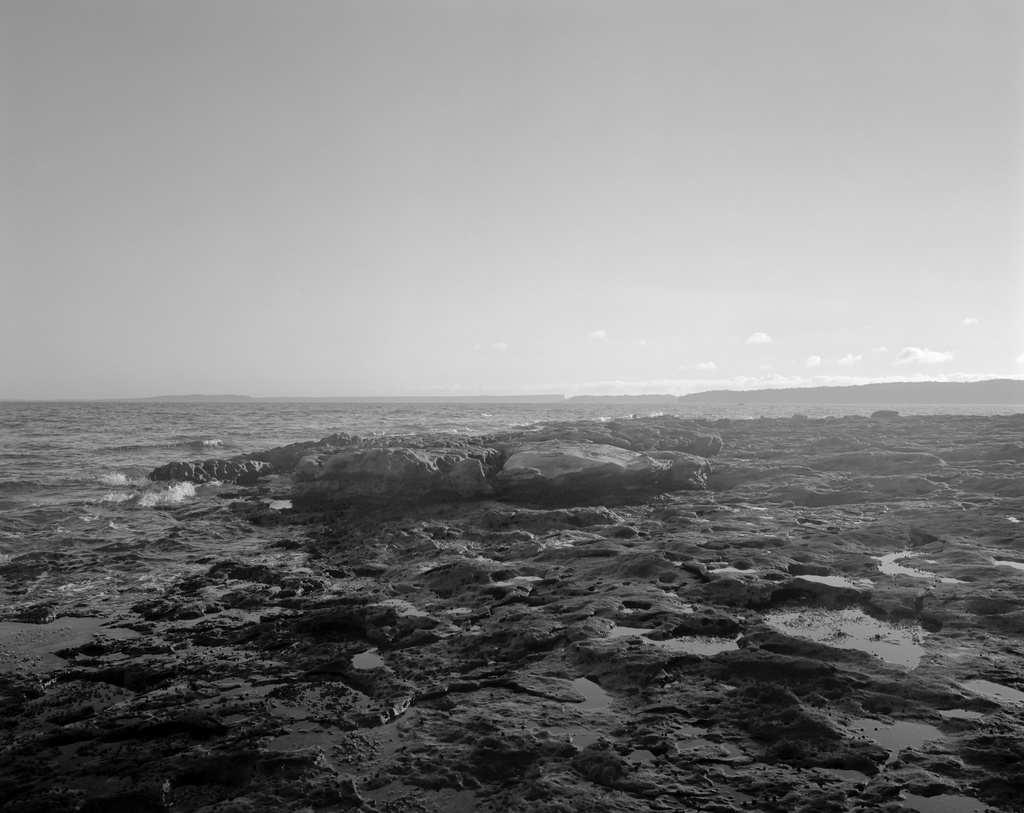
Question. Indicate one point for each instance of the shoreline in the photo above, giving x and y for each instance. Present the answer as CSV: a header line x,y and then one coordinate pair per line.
x,y
751,642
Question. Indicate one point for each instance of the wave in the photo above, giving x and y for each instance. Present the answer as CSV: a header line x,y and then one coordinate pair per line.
x,y
193,444
114,479
205,444
119,478
172,495
118,497
19,486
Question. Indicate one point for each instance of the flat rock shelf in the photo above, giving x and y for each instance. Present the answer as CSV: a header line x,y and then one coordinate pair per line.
x,y
783,615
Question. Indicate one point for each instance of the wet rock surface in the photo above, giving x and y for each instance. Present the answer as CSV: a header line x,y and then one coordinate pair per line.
x,y
833,624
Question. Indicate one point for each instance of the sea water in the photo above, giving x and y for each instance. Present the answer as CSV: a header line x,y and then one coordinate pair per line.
x,y
80,523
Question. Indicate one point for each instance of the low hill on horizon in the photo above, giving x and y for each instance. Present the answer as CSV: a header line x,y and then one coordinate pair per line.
x,y
992,391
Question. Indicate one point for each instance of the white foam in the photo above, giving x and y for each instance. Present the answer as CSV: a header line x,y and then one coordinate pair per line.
x,y
171,495
118,497
114,479
117,478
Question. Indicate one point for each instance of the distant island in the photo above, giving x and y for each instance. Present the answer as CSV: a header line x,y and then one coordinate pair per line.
x,y
623,399
198,399
993,391
367,399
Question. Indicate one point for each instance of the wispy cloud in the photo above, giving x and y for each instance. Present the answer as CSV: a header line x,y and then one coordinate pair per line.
x,y
598,335
759,338
704,365
501,347
850,360
970,320
1020,358
909,355
882,349
813,361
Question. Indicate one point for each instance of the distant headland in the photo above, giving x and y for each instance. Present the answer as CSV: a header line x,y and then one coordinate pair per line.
x,y
991,391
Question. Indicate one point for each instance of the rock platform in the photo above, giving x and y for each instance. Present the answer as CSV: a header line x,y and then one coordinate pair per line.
x,y
779,615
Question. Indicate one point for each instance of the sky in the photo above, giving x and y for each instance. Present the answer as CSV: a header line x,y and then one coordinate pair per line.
x,y
461,197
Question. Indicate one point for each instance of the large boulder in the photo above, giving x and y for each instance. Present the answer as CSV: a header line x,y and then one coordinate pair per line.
x,y
554,469
654,433
395,473
689,471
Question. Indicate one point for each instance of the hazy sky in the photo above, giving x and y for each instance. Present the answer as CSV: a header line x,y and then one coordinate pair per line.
x,y
354,197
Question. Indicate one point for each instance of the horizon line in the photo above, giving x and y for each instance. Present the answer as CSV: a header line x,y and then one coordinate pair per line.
x,y
545,397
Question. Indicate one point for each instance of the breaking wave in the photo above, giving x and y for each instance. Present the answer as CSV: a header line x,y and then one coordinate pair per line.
x,y
171,495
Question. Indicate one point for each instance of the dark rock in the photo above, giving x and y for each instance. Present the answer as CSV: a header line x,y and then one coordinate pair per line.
x,y
402,474
236,470
558,470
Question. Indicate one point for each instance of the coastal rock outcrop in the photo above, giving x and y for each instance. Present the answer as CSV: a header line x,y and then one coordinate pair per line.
x,y
834,625
558,468
563,461
392,473
235,470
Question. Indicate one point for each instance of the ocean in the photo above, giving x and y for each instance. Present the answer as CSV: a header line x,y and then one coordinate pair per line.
x,y
81,527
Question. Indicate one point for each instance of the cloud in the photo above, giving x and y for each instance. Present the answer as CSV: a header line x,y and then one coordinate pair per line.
x,y
1020,358
501,347
759,338
882,349
849,360
813,361
598,334
970,320
908,355
704,365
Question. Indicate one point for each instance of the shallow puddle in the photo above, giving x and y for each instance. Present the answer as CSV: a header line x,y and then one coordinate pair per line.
x,y
401,796
691,644
897,735
579,736
995,691
736,797
595,696
837,581
943,803
33,646
853,629
368,660
961,714
1008,563
888,564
